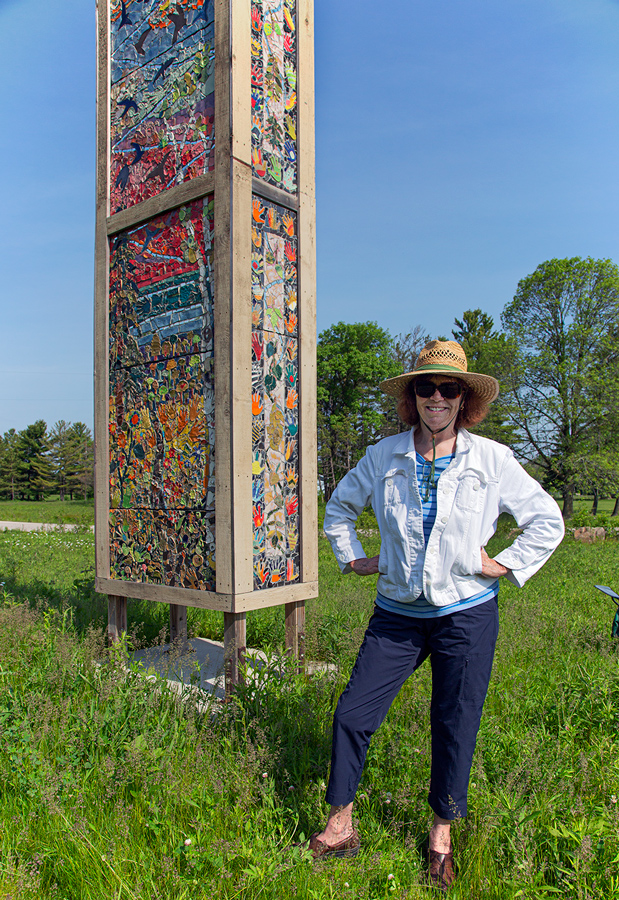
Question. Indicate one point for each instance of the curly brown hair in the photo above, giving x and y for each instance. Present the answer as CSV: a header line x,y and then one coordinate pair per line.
x,y
473,410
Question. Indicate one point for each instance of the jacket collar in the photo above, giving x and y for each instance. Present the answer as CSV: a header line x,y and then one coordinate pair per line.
x,y
405,445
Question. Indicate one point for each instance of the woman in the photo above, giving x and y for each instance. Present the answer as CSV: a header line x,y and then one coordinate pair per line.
x,y
437,492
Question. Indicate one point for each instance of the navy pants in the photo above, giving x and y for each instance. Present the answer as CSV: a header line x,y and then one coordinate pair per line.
x,y
461,650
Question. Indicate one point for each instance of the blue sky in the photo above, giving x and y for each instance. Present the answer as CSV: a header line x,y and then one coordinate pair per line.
x,y
459,144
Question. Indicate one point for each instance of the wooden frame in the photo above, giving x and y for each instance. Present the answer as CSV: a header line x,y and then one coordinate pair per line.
x,y
232,183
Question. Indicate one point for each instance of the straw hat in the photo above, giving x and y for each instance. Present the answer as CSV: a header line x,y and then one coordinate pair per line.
x,y
444,358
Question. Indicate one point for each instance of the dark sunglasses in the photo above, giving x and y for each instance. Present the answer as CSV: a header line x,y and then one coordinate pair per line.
x,y
447,389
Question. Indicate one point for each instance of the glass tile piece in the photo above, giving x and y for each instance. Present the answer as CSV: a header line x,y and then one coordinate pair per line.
x,y
171,547
162,96
274,92
162,435
161,295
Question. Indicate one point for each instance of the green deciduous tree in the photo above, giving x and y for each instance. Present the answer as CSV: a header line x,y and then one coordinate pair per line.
x,y
488,351
352,360
561,320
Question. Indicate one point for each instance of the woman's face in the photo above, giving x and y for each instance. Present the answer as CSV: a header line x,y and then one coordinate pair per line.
x,y
437,411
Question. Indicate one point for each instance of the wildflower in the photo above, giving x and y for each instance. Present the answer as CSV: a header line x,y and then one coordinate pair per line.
x,y
265,774
613,798
390,876
346,884
290,787
187,842
388,795
323,786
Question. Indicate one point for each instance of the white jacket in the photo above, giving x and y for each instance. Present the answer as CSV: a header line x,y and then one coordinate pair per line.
x,y
482,481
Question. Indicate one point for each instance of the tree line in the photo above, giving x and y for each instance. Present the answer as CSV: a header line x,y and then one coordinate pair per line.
x,y
37,462
556,357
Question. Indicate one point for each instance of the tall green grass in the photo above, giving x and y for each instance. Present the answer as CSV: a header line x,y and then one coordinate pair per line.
x,y
113,787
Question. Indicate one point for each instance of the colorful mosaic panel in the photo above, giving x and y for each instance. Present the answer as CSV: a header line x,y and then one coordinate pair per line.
x,y
275,398
162,435
274,268
161,297
274,92
175,548
162,96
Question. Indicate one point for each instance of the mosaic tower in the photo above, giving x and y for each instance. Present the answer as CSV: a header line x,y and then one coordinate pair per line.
x,y
205,309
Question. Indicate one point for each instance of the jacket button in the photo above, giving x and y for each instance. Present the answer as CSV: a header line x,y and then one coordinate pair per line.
x,y
390,481
475,487
444,520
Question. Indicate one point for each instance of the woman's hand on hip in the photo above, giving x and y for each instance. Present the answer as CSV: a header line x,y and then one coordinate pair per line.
x,y
490,567
365,566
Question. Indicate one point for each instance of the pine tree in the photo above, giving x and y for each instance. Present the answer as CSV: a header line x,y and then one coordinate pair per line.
x,y
64,454
83,477
10,464
36,472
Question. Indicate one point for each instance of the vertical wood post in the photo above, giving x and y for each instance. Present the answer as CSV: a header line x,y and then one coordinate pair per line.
x,y
295,631
178,623
235,642
116,617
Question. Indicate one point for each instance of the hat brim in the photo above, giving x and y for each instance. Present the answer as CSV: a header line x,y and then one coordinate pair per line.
x,y
485,386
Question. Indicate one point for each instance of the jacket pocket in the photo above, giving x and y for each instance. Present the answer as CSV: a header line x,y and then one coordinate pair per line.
x,y
393,496
470,493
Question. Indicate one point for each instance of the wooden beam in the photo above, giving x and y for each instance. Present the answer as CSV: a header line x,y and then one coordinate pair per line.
x,y
101,448
175,196
116,618
235,640
161,593
295,632
308,451
224,562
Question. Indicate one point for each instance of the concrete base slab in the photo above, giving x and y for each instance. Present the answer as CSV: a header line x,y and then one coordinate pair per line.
x,y
198,667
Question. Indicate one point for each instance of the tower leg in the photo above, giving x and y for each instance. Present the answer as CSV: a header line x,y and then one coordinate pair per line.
x,y
295,631
116,617
178,624
234,647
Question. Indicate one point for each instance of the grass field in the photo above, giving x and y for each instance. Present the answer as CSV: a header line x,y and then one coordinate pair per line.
x,y
112,788
55,512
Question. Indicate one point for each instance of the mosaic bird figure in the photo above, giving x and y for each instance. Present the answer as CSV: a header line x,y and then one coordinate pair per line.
x,y
139,153
150,233
122,178
179,20
128,103
139,44
124,18
158,170
163,68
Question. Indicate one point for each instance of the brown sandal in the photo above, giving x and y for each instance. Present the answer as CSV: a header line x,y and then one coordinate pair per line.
x,y
441,872
321,850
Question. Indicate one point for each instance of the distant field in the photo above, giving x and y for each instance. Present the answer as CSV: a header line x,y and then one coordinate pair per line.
x,y
72,512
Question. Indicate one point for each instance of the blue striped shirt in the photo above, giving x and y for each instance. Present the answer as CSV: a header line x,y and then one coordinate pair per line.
x,y
420,608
